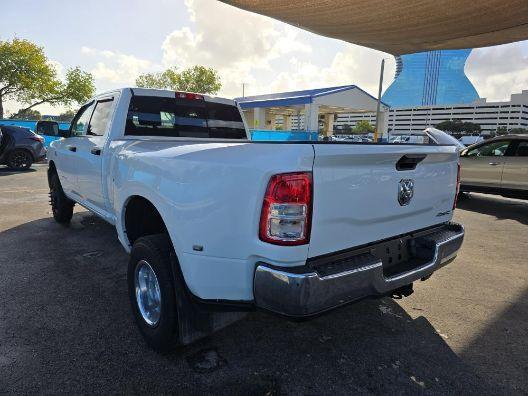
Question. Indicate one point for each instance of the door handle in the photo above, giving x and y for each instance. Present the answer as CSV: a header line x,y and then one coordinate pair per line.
x,y
494,163
96,151
72,148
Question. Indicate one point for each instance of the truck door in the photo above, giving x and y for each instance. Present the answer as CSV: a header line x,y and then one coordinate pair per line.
x,y
515,174
90,154
66,150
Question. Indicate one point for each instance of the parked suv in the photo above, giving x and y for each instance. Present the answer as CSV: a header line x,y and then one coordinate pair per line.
x,y
496,166
20,147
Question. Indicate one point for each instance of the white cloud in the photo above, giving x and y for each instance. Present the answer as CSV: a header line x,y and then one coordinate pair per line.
x,y
232,37
116,67
236,43
270,56
499,71
267,55
354,65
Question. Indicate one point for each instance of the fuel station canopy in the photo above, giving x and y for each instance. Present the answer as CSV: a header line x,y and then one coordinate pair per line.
x,y
307,111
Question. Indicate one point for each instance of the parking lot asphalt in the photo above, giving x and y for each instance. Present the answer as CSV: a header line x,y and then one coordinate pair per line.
x,y
66,326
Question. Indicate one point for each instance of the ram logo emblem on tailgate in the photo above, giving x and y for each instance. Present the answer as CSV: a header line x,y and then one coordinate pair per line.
x,y
405,191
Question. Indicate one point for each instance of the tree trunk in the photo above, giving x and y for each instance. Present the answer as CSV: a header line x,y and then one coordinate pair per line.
x,y
1,108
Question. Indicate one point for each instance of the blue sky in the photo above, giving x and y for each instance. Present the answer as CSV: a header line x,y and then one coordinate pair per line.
x,y
118,39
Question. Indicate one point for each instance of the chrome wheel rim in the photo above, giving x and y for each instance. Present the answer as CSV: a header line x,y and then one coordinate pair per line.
x,y
148,294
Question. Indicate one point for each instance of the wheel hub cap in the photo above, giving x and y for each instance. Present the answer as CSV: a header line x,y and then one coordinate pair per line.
x,y
20,160
148,295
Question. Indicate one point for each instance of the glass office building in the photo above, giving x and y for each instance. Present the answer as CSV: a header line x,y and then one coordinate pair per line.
x,y
431,78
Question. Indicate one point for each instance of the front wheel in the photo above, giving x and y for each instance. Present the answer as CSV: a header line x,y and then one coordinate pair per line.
x,y
61,205
151,291
19,160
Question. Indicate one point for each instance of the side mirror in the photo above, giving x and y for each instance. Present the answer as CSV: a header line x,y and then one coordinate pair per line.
x,y
463,153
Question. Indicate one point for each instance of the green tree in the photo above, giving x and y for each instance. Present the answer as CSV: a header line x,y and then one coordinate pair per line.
x,y
502,130
458,127
347,129
518,131
471,127
362,127
67,116
198,79
153,80
26,115
78,88
453,126
27,76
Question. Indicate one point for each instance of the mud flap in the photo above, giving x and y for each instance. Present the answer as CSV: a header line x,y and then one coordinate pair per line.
x,y
194,320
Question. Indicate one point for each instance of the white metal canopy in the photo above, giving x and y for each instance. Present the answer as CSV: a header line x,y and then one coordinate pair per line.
x,y
403,26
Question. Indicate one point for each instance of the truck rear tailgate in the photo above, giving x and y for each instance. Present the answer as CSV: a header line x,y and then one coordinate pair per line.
x,y
357,197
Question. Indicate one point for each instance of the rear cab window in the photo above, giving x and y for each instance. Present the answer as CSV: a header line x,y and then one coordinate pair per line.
x,y
185,115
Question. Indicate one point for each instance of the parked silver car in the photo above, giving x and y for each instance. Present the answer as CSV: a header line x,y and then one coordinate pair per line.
x,y
496,166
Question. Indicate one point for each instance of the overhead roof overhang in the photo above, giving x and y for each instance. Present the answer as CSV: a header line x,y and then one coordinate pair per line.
x,y
403,26
321,96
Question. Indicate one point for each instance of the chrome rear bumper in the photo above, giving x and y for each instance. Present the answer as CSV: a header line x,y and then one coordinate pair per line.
x,y
308,290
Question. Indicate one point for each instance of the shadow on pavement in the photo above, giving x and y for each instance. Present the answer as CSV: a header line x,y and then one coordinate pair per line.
x,y
66,326
5,171
501,208
502,347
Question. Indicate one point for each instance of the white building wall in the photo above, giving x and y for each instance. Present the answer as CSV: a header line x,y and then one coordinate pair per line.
x,y
489,115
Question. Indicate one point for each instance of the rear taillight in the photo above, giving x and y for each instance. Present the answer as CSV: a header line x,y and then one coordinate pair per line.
x,y
457,186
189,96
287,209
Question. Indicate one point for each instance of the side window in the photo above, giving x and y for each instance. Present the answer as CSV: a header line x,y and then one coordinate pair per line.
x,y
101,118
493,149
79,125
522,149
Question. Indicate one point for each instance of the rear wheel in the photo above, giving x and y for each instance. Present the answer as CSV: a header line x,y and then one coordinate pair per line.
x,y
19,160
61,205
151,291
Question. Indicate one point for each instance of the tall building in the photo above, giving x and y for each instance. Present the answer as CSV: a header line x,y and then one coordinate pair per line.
x,y
414,119
431,78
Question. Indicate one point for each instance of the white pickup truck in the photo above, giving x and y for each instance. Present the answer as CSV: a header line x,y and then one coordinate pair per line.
x,y
217,224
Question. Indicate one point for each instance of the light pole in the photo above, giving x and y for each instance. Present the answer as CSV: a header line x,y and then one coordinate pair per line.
x,y
378,107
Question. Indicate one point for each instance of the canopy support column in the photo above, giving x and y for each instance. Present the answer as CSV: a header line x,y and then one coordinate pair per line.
x,y
259,118
311,117
328,125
